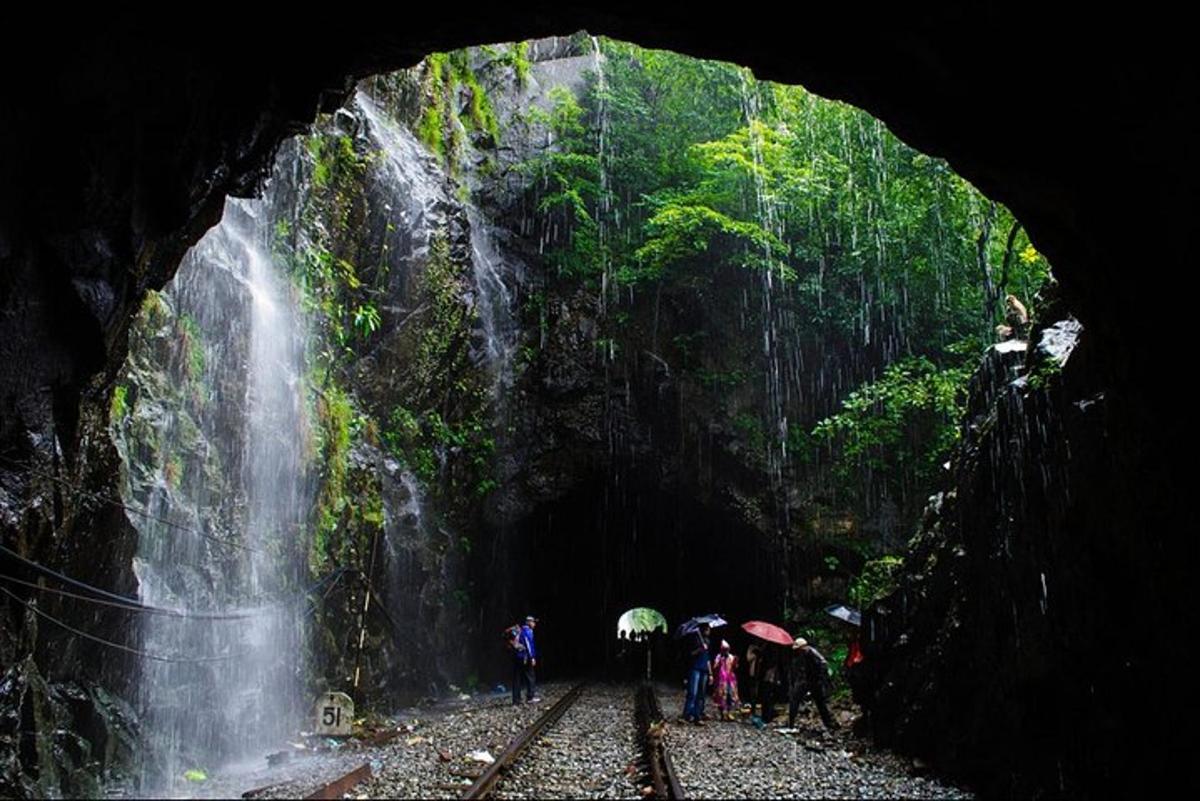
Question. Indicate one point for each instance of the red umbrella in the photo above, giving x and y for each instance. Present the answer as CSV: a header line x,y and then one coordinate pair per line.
x,y
768,631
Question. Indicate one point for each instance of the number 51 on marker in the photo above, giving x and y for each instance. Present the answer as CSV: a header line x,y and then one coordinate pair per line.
x,y
335,715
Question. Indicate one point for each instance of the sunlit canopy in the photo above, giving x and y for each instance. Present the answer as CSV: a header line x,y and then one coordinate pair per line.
x,y
641,620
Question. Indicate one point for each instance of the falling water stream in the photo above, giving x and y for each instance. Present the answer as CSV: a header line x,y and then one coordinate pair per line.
x,y
494,302
235,465
770,221
420,199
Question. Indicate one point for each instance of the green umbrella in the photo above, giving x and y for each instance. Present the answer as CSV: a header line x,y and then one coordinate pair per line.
x,y
641,620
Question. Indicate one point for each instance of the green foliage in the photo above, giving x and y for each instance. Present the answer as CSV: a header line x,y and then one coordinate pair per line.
x,y
692,180
319,255
875,581
751,428
681,231
349,508
332,156
334,412
192,343
366,319
440,126
442,432
802,446
154,310
118,407
720,380
1043,372
429,130
902,424
482,115
421,442
517,57
715,170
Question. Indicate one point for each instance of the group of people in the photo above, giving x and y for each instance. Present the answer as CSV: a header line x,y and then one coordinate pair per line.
x,y
802,670
769,669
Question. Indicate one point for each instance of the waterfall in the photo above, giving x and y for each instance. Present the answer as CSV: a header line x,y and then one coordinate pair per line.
x,y
410,180
221,476
494,301
413,189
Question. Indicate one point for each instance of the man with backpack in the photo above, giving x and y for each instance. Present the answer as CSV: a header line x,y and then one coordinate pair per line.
x,y
810,674
524,660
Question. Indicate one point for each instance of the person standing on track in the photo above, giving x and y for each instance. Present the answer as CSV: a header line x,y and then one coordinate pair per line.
x,y
699,677
525,663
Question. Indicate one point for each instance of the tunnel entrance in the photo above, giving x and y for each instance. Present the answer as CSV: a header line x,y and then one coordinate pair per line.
x,y
581,561
559,361
536,545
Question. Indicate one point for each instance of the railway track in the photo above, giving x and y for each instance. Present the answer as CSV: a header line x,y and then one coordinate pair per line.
x,y
486,783
490,782
343,784
652,730
608,742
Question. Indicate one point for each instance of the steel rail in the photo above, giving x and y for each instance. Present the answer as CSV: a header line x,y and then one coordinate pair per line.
x,y
343,784
651,731
487,780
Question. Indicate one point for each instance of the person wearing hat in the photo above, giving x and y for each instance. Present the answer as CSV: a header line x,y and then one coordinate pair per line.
x,y
524,663
810,672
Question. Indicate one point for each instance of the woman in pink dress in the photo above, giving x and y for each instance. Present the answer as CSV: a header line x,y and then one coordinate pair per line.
x,y
726,689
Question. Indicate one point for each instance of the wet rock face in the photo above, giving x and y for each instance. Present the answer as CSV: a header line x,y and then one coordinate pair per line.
x,y
1013,653
60,738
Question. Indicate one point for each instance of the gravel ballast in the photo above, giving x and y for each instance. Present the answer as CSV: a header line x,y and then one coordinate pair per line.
x,y
736,760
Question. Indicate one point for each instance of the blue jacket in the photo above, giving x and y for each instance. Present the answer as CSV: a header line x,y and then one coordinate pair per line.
x,y
526,639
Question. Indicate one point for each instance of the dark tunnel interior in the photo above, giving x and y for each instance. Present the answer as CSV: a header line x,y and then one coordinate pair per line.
x,y
607,546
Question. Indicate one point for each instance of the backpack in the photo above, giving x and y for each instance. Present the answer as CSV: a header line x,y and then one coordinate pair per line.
x,y
512,640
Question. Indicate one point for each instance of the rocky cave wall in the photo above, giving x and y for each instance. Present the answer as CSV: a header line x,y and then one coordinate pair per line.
x,y
993,654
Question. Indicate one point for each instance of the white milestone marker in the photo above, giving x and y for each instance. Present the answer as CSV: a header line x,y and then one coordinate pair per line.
x,y
335,715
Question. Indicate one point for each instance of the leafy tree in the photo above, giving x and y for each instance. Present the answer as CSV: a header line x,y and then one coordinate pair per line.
x,y
901,426
870,262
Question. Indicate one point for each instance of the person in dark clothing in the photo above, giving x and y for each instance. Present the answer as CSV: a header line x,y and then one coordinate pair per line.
x,y
766,677
699,675
524,662
624,656
810,673
753,664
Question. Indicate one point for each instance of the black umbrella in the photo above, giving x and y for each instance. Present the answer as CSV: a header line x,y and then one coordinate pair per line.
x,y
843,612
689,626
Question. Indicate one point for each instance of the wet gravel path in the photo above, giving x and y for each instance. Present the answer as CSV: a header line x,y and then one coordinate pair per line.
x,y
591,752
302,773
736,760
306,776
435,760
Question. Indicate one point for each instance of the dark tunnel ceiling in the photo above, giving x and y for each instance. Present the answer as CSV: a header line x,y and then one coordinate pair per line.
x,y
123,133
